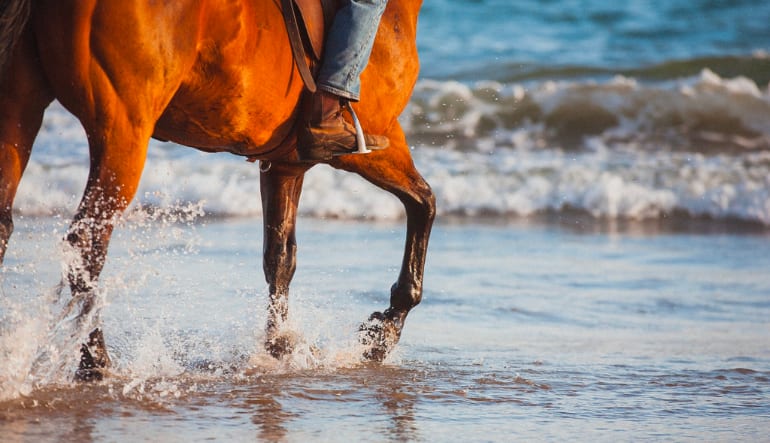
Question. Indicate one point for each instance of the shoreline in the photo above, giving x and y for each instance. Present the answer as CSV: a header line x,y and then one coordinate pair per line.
x,y
573,220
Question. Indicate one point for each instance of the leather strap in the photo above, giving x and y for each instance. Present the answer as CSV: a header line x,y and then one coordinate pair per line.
x,y
297,47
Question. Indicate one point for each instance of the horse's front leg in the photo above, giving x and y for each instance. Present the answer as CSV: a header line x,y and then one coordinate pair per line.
x,y
118,153
280,187
394,171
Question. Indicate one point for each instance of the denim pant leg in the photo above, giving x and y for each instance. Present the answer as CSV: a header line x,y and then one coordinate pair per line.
x,y
348,47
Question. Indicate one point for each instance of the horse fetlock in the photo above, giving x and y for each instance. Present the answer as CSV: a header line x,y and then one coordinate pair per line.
x,y
380,333
280,345
279,341
405,297
94,359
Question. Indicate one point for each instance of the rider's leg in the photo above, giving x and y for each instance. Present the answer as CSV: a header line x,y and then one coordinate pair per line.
x,y
348,47
351,37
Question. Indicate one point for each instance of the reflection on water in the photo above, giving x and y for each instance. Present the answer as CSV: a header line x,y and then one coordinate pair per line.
x,y
413,402
268,414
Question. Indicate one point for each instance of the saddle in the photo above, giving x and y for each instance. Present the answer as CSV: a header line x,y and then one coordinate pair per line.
x,y
307,23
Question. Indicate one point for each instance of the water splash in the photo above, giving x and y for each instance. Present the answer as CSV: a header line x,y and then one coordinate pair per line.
x,y
169,324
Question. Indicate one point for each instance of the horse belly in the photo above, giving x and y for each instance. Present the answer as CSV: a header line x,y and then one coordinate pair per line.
x,y
214,119
241,94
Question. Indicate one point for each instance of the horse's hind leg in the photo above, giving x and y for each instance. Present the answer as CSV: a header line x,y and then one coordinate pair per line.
x,y
24,95
394,171
280,188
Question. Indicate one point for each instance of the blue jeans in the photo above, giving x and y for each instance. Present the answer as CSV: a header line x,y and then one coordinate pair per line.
x,y
348,47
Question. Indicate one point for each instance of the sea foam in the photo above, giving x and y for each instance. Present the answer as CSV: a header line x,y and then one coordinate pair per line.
x,y
619,148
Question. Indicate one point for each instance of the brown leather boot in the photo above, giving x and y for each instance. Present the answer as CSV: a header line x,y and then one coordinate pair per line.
x,y
325,134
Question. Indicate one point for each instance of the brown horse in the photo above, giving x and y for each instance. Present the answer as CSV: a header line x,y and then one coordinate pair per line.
x,y
217,75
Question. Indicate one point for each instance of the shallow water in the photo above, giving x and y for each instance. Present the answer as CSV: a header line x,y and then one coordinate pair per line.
x,y
540,329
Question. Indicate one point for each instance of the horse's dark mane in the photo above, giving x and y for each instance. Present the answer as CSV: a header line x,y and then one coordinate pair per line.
x,y
13,18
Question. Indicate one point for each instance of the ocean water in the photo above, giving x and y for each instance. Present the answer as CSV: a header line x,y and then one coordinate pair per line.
x,y
637,110
598,270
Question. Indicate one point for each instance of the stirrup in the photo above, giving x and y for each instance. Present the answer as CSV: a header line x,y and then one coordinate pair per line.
x,y
360,140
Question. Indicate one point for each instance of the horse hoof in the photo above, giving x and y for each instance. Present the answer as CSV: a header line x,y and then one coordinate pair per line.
x,y
279,346
89,375
93,358
379,335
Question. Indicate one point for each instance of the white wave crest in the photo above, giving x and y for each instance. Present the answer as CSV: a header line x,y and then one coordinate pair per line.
x,y
617,149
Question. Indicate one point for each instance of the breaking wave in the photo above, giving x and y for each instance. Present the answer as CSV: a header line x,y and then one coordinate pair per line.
x,y
614,148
